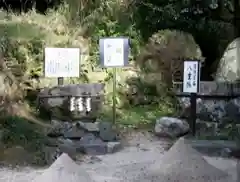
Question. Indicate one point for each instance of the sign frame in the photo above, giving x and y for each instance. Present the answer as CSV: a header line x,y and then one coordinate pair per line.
x,y
125,51
187,65
62,50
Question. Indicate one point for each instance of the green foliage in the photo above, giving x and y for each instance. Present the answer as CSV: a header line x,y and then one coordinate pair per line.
x,y
24,58
73,24
24,38
140,117
115,21
81,24
158,49
210,22
186,15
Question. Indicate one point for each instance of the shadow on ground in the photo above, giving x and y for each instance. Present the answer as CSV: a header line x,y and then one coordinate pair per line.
x,y
22,142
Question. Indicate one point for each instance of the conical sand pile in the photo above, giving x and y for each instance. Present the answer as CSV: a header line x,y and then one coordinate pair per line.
x,y
64,169
184,164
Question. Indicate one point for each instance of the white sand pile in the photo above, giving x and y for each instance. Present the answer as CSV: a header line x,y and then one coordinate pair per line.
x,y
183,164
64,169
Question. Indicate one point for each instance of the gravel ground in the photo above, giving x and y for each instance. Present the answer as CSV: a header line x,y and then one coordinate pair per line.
x,y
183,164
142,153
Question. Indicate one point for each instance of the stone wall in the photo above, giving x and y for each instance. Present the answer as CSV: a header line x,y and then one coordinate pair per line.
x,y
214,109
213,88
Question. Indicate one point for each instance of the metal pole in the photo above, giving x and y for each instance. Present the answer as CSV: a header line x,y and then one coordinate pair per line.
x,y
114,94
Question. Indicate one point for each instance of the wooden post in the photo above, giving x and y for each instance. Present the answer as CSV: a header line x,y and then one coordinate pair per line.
x,y
236,20
191,85
60,81
193,115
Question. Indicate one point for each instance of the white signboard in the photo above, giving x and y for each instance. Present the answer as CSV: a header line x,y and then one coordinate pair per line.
x,y
191,77
114,52
62,62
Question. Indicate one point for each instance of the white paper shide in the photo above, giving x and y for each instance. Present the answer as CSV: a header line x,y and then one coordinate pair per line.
x,y
62,62
191,77
113,52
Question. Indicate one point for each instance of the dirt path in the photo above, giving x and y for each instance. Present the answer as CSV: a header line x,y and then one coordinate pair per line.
x,y
142,152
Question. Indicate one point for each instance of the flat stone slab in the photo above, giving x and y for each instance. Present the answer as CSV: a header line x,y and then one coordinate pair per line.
x,y
106,131
90,127
74,133
92,145
212,143
221,148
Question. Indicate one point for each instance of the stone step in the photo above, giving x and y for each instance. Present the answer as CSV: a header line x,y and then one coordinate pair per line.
x,y
212,144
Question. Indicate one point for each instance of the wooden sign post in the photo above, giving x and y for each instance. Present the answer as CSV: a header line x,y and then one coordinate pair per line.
x,y
191,84
114,54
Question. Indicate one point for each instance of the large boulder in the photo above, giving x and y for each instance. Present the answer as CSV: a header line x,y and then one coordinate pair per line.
x,y
228,68
171,127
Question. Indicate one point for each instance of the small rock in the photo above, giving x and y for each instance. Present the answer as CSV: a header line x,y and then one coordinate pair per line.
x,y
200,126
94,159
106,131
90,127
51,142
58,128
89,138
171,127
233,110
205,127
74,133
88,159
90,144
96,149
226,152
113,147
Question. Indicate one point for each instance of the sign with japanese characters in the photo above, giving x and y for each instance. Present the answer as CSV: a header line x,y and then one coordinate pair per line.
x,y
62,62
191,77
114,52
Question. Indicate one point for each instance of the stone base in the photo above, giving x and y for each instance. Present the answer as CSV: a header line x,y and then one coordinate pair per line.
x,y
213,147
96,138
